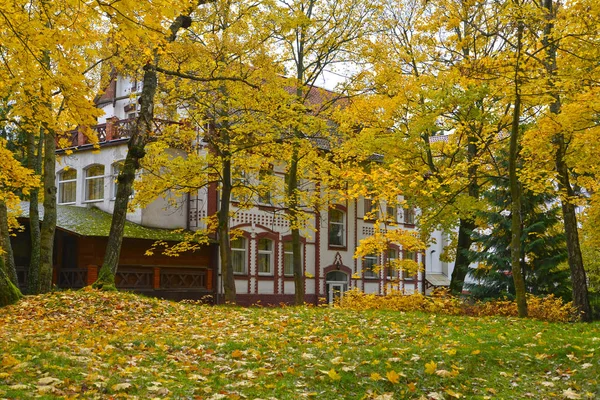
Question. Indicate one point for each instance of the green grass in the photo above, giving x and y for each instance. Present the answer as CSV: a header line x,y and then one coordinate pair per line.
x,y
91,344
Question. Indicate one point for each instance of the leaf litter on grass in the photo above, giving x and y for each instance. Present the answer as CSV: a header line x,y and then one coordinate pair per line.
x,y
91,344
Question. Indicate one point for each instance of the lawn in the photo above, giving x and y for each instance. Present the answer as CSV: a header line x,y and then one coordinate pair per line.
x,y
90,344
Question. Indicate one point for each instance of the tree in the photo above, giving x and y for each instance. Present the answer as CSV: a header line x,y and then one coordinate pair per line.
x,y
156,40
14,179
543,245
46,65
315,36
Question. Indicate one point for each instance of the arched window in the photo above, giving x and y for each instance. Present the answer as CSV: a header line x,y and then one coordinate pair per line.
x,y
337,228
67,186
94,183
238,255
265,257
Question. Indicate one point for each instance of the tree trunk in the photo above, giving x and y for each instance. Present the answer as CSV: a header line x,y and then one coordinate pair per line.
x,y
224,234
33,163
9,259
461,265
515,188
9,293
135,152
293,212
578,276
49,221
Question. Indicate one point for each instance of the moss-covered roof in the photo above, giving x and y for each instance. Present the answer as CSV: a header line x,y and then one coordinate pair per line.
x,y
86,221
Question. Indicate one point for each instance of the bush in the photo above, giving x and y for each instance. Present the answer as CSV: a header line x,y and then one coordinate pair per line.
x,y
549,308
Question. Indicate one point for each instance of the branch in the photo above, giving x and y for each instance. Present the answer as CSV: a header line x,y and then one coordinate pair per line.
x,y
201,79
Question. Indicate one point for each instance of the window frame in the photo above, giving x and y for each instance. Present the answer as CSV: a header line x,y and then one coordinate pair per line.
x,y
269,253
61,182
370,269
395,272
243,250
337,223
87,179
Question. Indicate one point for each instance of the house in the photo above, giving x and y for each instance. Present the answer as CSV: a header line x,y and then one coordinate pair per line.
x,y
261,255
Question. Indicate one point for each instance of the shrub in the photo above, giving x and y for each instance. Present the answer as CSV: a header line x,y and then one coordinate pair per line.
x,y
549,308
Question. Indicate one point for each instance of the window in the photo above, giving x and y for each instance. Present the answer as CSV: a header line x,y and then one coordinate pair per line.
x,y
371,209
116,170
67,186
409,216
240,188
238,255
392,214
265,257
288,259
264,190
337,231
94,183
392,272
410,255
369,263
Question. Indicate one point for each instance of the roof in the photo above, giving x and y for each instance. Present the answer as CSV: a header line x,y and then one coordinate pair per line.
x,y
85,221
437,279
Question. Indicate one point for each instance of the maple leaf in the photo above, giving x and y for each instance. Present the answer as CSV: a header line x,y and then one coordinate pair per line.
x,y
121,386
333,375
430,367
375,376
393,376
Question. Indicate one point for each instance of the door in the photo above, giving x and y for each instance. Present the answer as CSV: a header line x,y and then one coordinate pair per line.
x,y
336,292
337,284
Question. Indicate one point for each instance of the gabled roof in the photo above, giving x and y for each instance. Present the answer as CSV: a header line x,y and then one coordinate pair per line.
x,y
84,221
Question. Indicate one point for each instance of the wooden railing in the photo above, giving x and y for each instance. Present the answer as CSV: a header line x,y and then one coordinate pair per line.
x,y
113,129
74,278
183,279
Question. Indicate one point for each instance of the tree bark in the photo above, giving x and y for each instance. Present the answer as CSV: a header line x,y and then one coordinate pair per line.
x,y
578,275
135,152
515,188
293,212
9,259
33,163
224,233
461,265
49,221
9,293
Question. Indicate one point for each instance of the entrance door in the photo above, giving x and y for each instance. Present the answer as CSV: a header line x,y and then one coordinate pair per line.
x,y
337,284
336,292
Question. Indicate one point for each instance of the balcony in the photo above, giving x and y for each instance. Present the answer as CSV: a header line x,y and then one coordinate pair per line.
x,y
112,131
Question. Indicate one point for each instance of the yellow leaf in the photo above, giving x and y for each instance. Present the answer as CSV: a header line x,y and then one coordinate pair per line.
x,y
334,375
454,394
375,376
236,354
451,352
475,352
393,376
430,367
412,387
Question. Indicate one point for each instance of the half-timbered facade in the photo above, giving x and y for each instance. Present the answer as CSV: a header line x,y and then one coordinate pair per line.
x,y
262,255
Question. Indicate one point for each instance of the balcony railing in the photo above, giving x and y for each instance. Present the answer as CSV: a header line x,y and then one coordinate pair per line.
x,y
113,129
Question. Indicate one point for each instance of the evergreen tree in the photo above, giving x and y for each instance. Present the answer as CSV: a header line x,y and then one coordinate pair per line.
x,y
543,247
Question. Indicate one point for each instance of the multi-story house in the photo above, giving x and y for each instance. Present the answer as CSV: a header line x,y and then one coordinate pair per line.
x,y
262,258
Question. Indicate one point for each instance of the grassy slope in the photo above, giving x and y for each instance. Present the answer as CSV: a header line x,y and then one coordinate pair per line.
x,y
115,345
